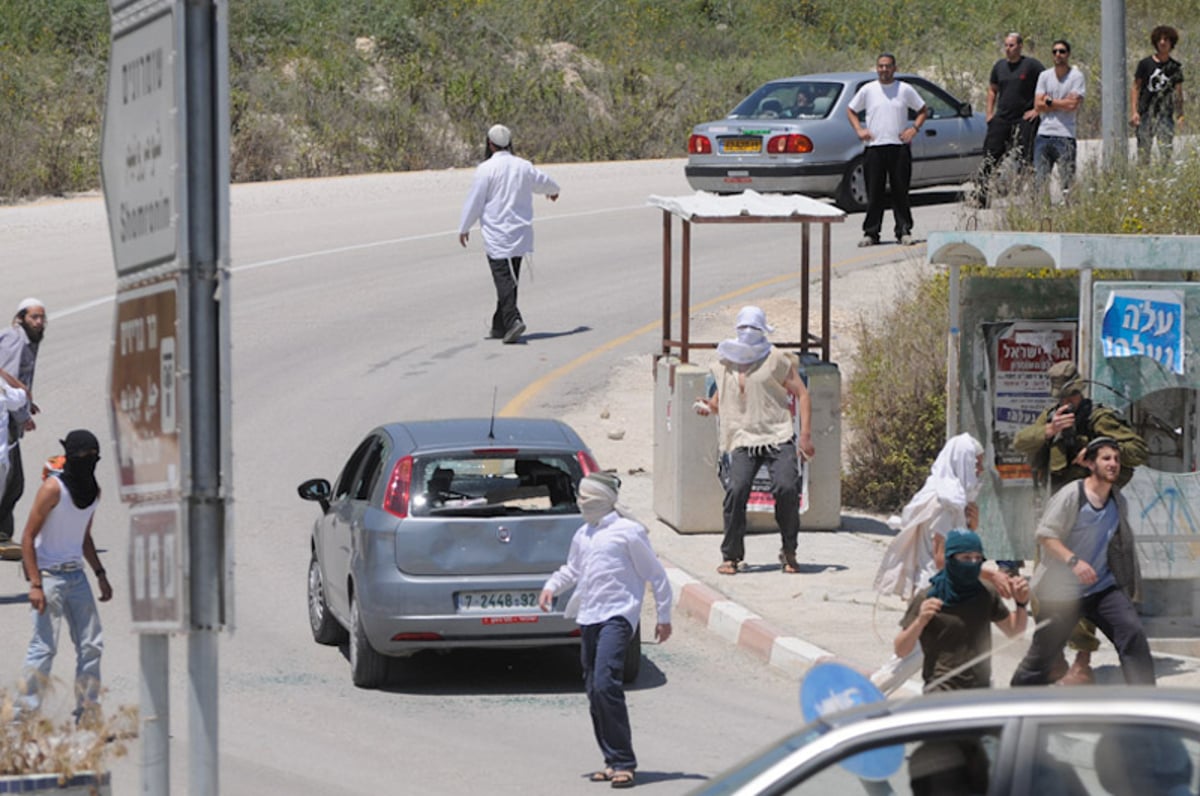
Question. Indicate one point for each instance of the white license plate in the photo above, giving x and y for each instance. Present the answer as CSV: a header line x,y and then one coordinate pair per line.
x,y
497,602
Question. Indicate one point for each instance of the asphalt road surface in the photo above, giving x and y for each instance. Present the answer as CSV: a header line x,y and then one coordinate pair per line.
x,y
353,305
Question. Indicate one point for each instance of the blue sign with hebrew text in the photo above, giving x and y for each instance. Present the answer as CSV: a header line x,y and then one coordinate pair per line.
x,y
1145,323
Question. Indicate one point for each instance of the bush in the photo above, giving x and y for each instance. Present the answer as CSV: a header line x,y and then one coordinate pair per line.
x,y
34,744
896,397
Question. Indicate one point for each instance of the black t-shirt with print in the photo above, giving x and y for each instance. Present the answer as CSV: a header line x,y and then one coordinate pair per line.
x,y
1157,95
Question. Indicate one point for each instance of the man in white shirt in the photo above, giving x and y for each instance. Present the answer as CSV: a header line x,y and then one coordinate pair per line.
x,y
887,135
501,200
1059,96
609,564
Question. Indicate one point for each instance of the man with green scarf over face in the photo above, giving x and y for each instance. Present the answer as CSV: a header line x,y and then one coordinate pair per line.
x,y
952,618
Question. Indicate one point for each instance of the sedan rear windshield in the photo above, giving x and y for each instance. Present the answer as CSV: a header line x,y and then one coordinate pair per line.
x,y
800,99
489,486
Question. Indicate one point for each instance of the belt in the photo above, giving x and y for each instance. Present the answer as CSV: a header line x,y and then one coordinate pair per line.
x,y
70,566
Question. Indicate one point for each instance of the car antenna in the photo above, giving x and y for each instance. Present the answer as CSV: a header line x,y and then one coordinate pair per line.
x,y
492,427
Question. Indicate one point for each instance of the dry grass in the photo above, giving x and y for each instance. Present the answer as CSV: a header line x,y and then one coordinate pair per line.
x,y
35,744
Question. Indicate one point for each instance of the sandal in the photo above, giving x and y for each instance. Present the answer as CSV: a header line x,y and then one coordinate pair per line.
x,y
789,564
622,779
728,568
602,776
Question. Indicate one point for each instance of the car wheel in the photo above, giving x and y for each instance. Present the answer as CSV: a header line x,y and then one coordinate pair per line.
x,y
852,191
325,629
368,669
633,656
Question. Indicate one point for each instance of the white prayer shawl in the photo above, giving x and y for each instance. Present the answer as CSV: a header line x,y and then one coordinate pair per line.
x,y
938,508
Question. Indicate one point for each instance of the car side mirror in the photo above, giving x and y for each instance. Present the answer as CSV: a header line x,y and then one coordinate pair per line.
x,y
966,110
317,489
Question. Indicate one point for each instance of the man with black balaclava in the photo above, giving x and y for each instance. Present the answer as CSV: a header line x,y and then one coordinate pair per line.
x,y
55,545
952,618
18,358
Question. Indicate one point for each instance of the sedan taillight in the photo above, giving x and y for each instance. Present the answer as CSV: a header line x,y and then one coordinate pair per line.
x,y
586,462
791,144
699,145
395,501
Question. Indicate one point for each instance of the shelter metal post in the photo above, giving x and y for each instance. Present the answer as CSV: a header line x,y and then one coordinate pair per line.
x,y
666,282
685,292
804,272
953,340
826,276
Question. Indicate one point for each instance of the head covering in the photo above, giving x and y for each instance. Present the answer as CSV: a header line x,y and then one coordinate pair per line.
x,y
959,580
79,469
500,135
1064,380
751,344
26,303
1098,443
952,477
598,496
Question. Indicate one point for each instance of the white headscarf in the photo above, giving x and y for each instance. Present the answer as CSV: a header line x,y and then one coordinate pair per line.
x,y
751,344
597,496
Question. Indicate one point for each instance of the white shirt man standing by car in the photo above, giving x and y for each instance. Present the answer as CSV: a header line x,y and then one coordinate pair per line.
x,y
1060,91
501,200
609,564
888,157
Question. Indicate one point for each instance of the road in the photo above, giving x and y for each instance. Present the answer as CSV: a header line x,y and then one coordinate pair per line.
x,y
353,305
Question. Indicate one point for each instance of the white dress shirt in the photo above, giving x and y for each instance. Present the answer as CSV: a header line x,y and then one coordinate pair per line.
x,y
501,200
609,565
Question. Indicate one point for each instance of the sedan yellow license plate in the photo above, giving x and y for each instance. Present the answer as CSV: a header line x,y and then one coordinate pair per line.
x,y
741,145
496,602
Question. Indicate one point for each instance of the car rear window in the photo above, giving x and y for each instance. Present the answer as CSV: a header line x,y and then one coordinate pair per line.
x,y
495,485
801,99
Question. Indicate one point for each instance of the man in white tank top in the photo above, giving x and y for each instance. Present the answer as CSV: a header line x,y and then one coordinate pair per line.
x,y
56,543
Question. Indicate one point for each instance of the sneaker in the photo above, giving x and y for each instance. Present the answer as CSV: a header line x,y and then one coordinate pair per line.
x,y
495,335
868,240
10,550
514,331
908,240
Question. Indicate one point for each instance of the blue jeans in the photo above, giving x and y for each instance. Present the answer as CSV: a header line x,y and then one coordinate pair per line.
x,y
602,652
1051,149
69,595
1161,127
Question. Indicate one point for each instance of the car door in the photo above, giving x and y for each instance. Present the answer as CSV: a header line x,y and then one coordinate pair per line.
x,y
334,538
948,148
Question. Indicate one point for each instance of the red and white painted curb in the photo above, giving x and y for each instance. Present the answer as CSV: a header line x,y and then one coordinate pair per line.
x,y
740,626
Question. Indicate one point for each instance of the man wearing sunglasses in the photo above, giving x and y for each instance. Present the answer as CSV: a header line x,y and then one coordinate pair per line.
x,y
1060,92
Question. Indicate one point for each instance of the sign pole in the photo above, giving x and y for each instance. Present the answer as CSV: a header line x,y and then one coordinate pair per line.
x,y
208,292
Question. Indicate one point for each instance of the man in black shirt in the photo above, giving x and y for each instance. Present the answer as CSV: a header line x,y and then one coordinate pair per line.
x,y
1157,96
1012,121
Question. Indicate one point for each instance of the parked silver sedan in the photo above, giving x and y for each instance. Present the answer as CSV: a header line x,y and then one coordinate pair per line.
x,y
792,136
439,534
1124,741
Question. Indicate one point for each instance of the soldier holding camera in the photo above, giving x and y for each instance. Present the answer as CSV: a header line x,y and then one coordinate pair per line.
x,y
1056,444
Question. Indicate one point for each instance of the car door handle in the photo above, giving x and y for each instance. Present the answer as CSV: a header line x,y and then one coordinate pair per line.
x,y
931,133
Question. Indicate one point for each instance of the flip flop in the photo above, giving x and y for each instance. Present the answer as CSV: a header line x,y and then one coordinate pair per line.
x,y
622,779
789,564
602,776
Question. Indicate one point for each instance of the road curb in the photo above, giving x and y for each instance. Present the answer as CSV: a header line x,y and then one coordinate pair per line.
x,y
740,626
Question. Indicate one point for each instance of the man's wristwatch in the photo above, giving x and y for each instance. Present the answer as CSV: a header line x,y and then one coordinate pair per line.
x,y
1072,561
1021,605
1049,101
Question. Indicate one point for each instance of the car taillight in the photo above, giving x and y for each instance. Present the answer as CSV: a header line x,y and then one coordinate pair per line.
x,y
586,462
699,145
395,501
791,144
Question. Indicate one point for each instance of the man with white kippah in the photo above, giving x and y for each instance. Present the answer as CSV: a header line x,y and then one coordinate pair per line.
x,y
18,358
501,200
753,383
609,564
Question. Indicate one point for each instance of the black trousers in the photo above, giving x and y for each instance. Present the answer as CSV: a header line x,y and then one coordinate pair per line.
x,y
884,166
14,487
783,466
506,271
1112,612
1004,136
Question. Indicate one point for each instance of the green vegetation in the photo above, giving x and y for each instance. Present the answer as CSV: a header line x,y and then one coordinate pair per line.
x,y
325,87
34,744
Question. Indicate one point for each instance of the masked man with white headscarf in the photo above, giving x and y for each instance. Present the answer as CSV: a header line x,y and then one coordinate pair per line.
x,y
753,383
609,564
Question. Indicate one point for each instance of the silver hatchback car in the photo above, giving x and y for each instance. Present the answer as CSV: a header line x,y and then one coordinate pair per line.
x,y
792,136
1079,741
440,534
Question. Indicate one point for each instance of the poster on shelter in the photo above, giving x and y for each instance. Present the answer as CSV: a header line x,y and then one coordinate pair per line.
x,y
1145,323
1021,354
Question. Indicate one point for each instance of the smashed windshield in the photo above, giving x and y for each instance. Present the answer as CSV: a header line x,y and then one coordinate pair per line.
x,y
469,485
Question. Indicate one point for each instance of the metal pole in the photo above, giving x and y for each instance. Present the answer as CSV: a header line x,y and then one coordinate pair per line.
x,y
953,342
805,275
204,499
685,293
666,283
1113,117
153,656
